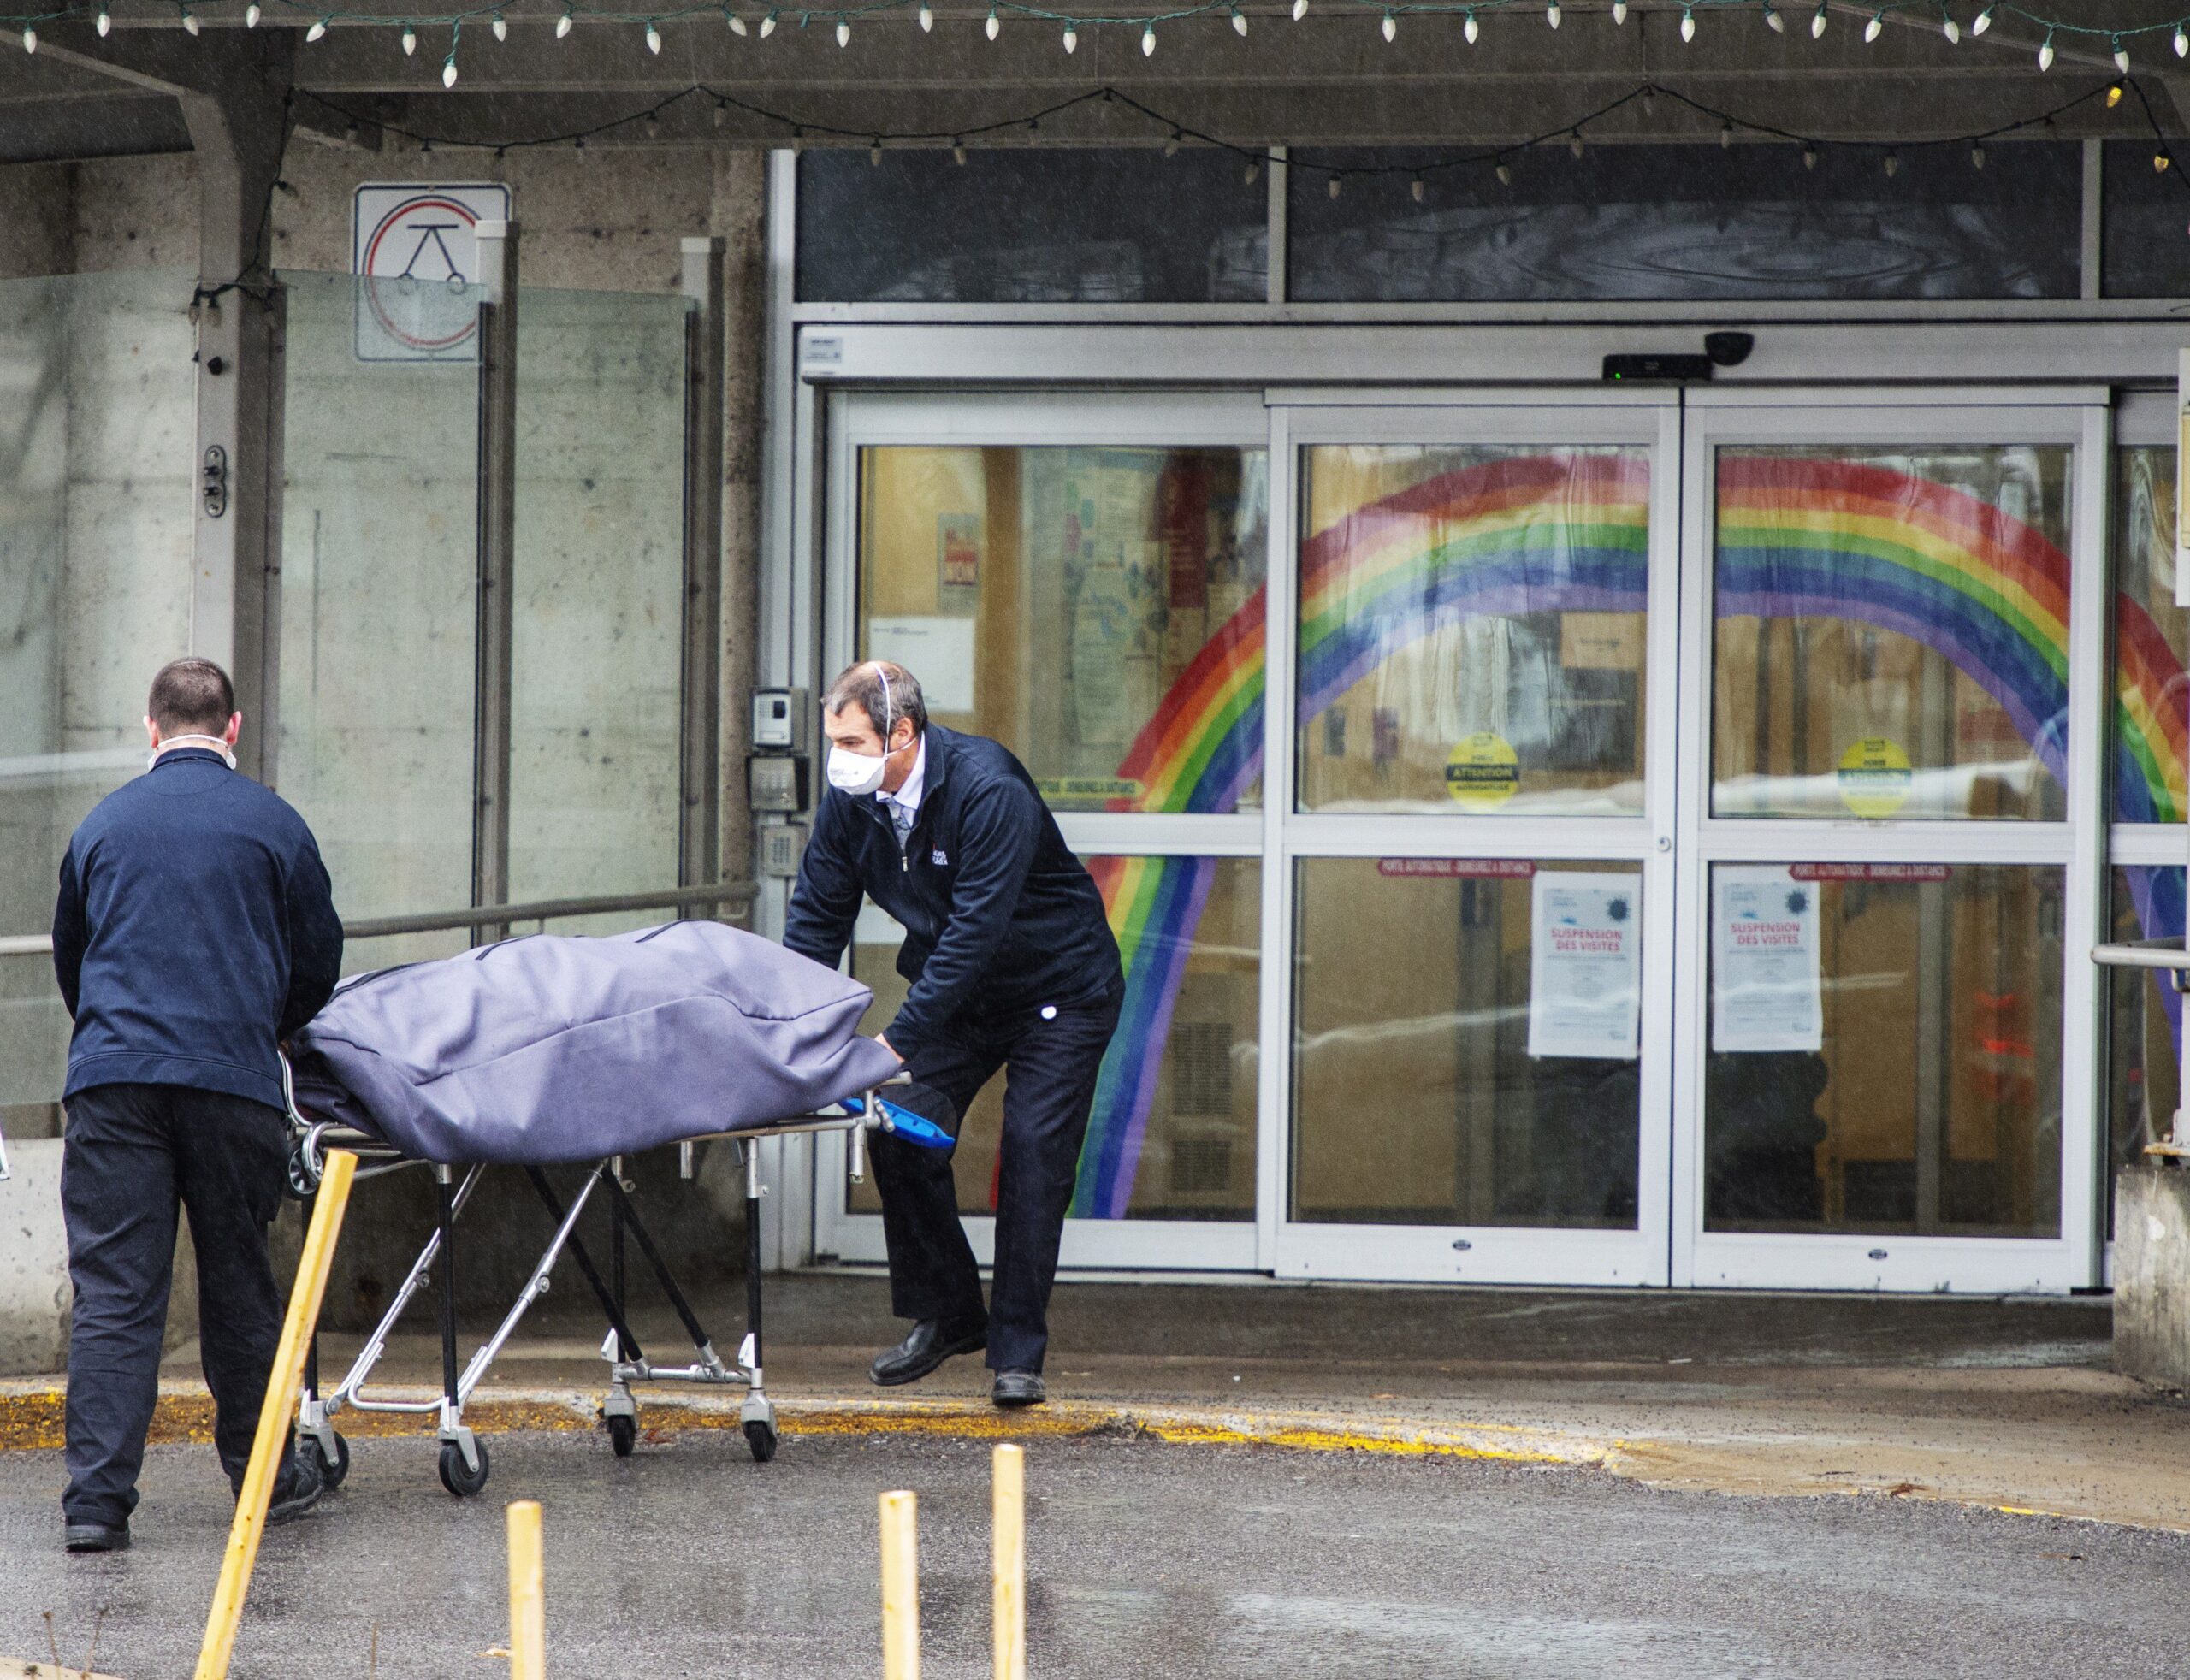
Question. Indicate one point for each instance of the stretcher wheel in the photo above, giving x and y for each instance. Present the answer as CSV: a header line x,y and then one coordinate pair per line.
x,y
459,1477
334,1471
623,1435
760,1436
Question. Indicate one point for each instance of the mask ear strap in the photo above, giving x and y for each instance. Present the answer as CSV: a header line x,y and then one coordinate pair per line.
x,y
889,706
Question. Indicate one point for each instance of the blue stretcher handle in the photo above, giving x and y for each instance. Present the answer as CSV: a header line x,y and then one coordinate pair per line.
x,y
904,1123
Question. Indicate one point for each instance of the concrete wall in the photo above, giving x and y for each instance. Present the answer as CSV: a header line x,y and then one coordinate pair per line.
x,y
377,623
2151,1272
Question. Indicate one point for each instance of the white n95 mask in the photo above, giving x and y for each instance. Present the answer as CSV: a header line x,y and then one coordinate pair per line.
x,y
856,774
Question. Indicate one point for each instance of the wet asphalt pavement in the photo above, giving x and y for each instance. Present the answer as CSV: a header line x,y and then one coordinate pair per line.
x,y
1144,1560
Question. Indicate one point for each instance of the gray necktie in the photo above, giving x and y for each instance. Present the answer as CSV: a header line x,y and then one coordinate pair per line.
x,y
902,820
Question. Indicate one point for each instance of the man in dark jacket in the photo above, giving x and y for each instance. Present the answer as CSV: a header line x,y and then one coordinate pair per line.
x,y
193,932
1011,962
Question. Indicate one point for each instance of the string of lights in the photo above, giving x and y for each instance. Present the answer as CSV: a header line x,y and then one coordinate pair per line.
x,y
763,20
1171,134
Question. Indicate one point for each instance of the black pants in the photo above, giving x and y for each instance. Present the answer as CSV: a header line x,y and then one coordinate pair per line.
x,y
1049,1093
131,1152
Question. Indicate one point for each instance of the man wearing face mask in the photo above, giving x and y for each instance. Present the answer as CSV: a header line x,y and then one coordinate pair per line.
x,y
193,932
1012,965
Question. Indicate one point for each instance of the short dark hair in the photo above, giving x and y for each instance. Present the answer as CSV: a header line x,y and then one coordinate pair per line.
x,y
884,691
191,696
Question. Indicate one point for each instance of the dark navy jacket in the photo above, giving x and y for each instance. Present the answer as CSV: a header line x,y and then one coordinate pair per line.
x,y
194,932
999,915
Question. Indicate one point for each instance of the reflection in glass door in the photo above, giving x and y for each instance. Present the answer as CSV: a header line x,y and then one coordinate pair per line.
x,y
1882,1030
1474,896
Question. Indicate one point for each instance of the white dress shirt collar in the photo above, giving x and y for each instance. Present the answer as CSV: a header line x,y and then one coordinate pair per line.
x,y
910,794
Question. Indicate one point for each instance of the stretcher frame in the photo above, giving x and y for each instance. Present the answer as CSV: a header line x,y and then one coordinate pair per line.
x,y
463,1459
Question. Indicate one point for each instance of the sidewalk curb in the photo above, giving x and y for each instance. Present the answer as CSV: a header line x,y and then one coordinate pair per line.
x,y
32,1417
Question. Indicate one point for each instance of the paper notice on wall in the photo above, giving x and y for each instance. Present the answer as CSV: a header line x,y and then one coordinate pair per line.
x,y
1766,992
1584,966
938,651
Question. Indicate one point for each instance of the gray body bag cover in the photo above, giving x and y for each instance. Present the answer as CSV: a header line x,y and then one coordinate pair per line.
x,y
553,1048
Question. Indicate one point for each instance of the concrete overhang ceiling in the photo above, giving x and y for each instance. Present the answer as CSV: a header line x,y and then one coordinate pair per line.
x,y
1328,79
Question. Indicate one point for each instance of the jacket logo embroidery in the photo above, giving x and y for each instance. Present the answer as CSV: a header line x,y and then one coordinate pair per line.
x,y
939,857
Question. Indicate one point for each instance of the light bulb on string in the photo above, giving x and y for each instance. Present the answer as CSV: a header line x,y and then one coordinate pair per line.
x,y
2114,96
1949,28
843,33
563,24
1239,22
1725,137
874,152
1299,10
448,66
501,27
958,152
1809,155
1687,23
927,18
1504,173
1893,163
30,39
1171,145
2160,161
2045,52
1254,171
1551,14
2121,56
1071,38
1148,42
1416,189
1984,22
1773,21
994,27
189,21
654,39
1574,144
1391,29
252,15
768,25
1333,189
1874,28
2181,42
315,32
409,42
106,22
1977,153
1649,101
1471,29
1619,11
1818,22
722,112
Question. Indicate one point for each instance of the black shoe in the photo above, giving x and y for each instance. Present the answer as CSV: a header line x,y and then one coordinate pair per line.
x,y
1017,1389
298,1491
95,1537
921,1352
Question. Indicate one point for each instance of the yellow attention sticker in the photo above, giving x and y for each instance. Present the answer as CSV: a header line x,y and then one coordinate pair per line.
x,y
1482,772
1875,777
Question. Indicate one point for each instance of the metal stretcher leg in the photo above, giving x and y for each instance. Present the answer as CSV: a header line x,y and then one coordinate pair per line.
x,y
758,1414
618,1325
464,1456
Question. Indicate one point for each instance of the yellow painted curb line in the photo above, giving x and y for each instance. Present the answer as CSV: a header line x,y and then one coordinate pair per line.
x,y
32,1417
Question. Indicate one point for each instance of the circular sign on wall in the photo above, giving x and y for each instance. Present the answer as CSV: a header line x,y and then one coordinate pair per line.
x,y
1482,773
417,259
1875,777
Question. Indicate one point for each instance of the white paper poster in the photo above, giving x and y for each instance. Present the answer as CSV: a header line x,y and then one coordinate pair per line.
x,y
938,651
1764,989
1584,966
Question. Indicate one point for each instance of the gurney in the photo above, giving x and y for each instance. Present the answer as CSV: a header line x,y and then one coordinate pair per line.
x,y
451,1067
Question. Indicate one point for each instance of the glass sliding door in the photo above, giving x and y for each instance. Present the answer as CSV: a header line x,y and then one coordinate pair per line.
x,y
1082,580
1887,1023
1473,899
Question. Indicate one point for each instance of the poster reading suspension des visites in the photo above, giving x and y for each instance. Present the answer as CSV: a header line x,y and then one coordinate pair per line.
x,y
1585,965
1765,970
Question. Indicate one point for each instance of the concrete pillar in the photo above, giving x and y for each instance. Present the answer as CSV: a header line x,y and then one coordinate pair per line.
x,y
702,792
239,128
497,631
2151,1272
740,215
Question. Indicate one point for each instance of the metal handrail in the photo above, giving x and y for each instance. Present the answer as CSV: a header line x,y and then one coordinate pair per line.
x,y
486,916
2161,954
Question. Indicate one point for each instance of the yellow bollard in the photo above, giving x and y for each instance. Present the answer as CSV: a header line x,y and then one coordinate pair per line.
x,y
275,1417
1007,1559
901,1588
528,1597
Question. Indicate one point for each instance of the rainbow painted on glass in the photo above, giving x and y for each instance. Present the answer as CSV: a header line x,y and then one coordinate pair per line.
x,y
1558,533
